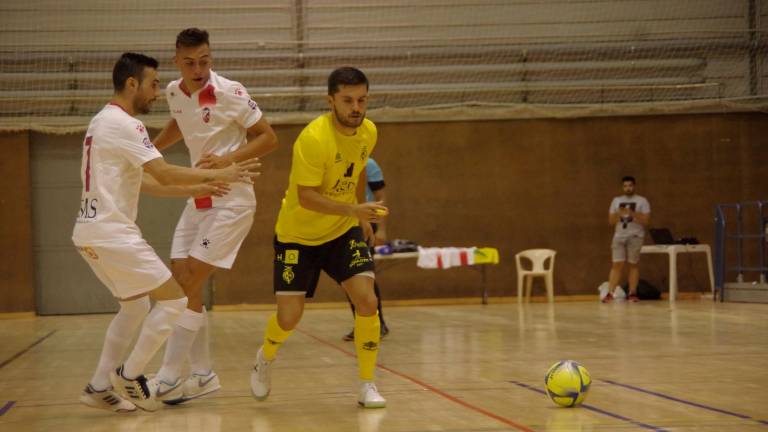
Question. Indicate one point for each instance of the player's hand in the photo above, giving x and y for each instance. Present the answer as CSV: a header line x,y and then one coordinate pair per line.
x,y
212,161
244,171
214,188
370,211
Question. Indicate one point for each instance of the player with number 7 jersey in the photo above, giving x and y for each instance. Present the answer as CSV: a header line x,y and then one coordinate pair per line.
x,y
116,152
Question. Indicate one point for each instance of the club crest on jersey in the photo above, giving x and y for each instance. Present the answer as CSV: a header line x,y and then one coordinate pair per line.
x,y
288,274
87,250
364,153
206,114
238,91
140,128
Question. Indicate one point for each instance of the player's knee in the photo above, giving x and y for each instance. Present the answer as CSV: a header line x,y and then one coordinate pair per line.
x,y
137,308
170,290
288,321
618,265
368,305
173,306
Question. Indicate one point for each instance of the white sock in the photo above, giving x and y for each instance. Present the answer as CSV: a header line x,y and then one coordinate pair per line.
x,y
156,329
179,344
119,335
200,354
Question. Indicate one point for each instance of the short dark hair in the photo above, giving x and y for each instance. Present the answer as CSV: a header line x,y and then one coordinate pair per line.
x,y
628,179
191,37
345,75
130,65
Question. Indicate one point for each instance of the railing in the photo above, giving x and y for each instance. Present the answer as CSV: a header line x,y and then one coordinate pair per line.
x,y
742,236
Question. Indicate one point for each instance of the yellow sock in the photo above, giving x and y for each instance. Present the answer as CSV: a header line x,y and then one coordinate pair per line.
x,y
274,337
367,338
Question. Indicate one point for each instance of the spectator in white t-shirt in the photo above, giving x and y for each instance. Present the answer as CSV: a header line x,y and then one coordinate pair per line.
x,y
629,214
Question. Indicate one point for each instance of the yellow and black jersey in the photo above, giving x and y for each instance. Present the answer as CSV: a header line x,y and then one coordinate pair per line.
x,y
324,158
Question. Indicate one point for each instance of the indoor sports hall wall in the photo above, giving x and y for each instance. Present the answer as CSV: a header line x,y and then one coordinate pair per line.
x,y
507,184
497,59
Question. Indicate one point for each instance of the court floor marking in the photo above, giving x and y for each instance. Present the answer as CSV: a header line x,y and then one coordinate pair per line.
x,y
599,410
686,402
21,353
431,388
8,361
6,407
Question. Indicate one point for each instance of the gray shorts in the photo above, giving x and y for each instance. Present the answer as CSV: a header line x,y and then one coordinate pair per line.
x,y
626,249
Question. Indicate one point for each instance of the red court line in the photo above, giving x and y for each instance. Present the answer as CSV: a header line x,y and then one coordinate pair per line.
x,y
433,389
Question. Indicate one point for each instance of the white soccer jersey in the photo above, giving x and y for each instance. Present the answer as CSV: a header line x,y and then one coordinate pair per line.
x,y
115,148
214,119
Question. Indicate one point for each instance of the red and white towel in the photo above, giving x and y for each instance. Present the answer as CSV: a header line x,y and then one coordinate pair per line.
x,y
443,258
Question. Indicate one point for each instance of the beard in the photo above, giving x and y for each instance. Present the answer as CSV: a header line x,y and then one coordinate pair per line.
x,y
143,107
351,122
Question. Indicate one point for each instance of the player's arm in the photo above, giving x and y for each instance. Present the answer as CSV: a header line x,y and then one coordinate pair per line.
x,y
641,218
261,141
613,217
311,199
170,135
168,174
150,186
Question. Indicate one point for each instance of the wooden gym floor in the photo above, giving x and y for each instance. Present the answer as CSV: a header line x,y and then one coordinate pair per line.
x,y
693,366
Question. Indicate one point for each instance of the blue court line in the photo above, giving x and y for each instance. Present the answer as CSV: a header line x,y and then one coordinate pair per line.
x,y
683,401
20,353
6,407
598,410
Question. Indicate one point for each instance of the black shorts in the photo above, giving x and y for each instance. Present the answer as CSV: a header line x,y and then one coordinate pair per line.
x,y
297,267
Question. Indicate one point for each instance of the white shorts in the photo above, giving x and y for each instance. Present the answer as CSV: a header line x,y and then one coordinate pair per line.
x,y
127,269
212,235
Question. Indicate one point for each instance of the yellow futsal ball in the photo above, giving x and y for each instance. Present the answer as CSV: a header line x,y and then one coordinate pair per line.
x,y
567,383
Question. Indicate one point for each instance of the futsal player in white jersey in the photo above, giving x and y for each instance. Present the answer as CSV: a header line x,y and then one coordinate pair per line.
x,y
220,124
116,152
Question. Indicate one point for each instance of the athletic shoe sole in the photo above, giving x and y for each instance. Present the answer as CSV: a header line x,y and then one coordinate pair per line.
x,y
183,399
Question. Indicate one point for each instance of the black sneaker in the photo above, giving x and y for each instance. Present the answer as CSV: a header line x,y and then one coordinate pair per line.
x,y
384,331
349,336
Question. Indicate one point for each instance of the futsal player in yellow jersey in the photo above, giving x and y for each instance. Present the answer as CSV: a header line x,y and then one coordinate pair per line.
x,y
325,224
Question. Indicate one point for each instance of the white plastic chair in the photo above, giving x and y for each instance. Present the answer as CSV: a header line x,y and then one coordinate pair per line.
x,y
543,264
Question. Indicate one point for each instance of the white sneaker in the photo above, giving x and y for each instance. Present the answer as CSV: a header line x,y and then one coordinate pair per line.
x,y
166,391
261,377
369,397
106,399
196,386
139,391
